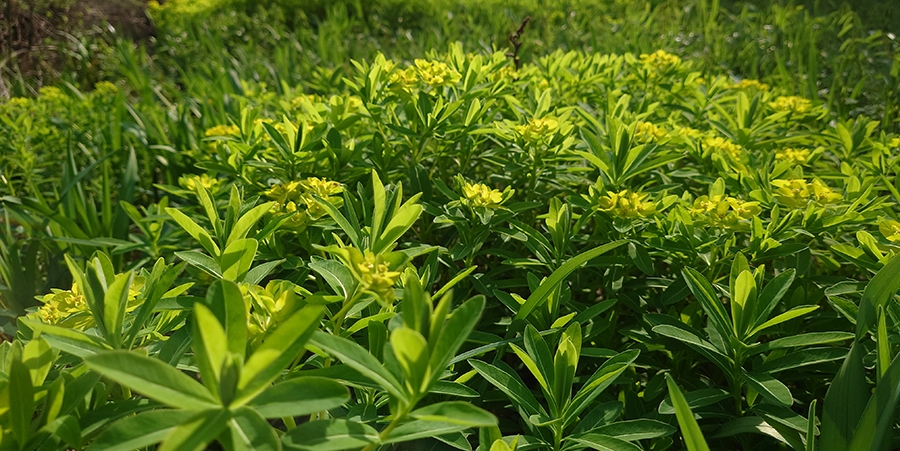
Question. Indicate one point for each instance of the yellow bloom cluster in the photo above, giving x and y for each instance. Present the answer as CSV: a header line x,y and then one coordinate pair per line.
x,y
748,84
725,146
223,130
647,132
436,73
405,79
894,143
17,102
890,229
661,60
105,88
798,192
724,211
538,129
506,73
191,182
480,195
795,156
688,132
793,104
297,196
69,308
375,274
627,204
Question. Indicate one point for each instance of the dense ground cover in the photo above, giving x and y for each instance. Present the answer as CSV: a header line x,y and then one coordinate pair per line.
x,y
240,239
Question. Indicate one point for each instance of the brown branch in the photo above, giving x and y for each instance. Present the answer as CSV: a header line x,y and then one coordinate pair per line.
x,y
516,39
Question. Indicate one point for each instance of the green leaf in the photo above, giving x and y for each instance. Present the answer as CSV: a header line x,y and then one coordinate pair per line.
x,y
330,435
604,443
300,396
697,398
743,292
201,261
811,427
356,357
631,430
539,352
690,431
418,429
38,356
801,358
210,346
878,291
882,345
706,294
876,424
341,221
453,333
194,230
599,381
510,385
456,412
196,433
770,388
795,312
770,296
338,277
224,298
380,206
641,258
248,431
21,402
243,225
67,428
115,301
237,258
539,296
279,349
141,430
152,378
402,220
844,403
411,351
801,340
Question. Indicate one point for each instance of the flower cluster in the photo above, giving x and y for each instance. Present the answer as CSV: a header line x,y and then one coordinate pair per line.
x,y
661,60
798,192
794,104
436,73
480,195
724,211
405,79
890,229
687,132
69,308
626,204
297,197
646,132
895,143
538,130
724,146
191,182
795,156
223,130
750,84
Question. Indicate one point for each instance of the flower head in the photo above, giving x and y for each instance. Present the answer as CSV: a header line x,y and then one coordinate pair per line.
x,y
822,194
299,198
795,156
750,84
890,229
661,60
223,130
436,73
794,104
538,129
724,146
792,192
481,195
191,182
647,132
626,204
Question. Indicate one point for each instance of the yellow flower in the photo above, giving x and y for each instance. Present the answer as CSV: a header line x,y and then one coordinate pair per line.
x,y
436,73
404,80
793,192
743,209
748,84
538,129
661,60
192,181
890,229
893,144
793,104
688,132
105,88
646,132
725,146
627,204
62,306
297,197
822,194
17,102
52,94
795,156
480,195
722,211
223,130
506,73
